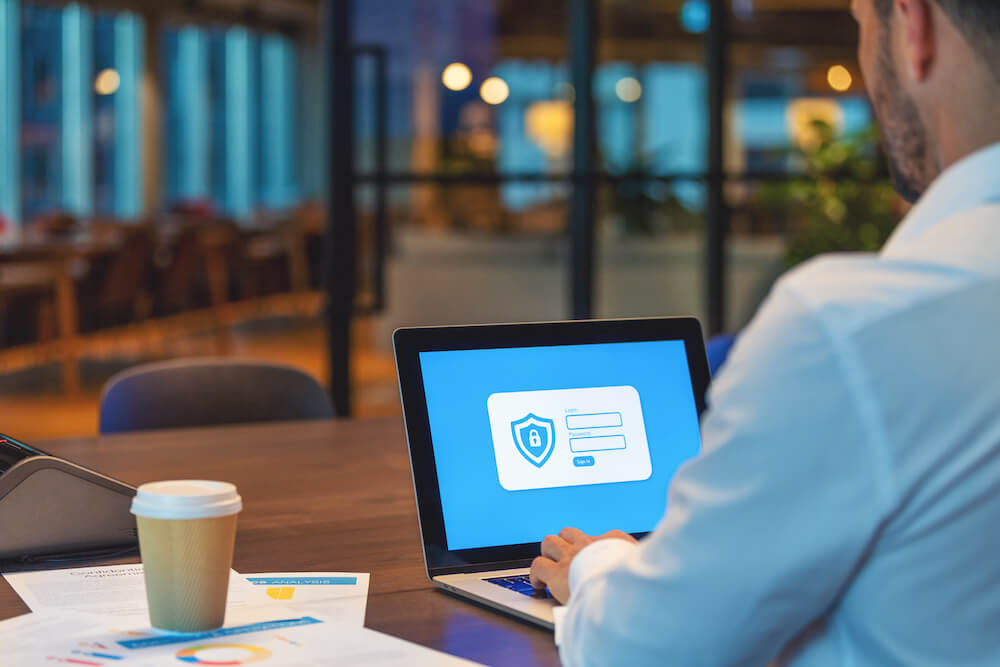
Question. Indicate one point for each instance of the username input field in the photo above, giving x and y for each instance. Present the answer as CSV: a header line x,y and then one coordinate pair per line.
x,y
598,443
594,420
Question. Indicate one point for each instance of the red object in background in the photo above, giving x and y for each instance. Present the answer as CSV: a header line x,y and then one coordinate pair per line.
x,y
4,225
201,208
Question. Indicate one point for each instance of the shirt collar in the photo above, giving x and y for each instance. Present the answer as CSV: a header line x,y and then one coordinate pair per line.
x,y
971,182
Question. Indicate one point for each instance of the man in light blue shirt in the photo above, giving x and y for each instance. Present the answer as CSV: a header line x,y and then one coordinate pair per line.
x,y
846,507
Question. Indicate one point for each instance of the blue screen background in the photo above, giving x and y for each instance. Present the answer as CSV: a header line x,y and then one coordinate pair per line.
x,y
478,512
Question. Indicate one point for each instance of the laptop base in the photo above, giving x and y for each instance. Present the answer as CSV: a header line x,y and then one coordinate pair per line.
x,y
537,611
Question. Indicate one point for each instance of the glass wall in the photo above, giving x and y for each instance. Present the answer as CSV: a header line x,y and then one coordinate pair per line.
x,y
652,134
479,94
801,154
478,120
460,75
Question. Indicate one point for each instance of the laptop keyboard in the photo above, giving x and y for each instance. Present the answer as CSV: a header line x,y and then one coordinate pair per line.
x,y
520,583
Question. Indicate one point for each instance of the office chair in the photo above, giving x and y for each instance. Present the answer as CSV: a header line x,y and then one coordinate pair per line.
x,y
209,391
717,348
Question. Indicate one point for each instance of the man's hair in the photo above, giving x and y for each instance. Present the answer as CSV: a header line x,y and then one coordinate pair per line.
x,y
978,20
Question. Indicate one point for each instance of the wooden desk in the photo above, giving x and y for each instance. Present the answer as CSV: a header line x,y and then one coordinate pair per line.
x,y
321,496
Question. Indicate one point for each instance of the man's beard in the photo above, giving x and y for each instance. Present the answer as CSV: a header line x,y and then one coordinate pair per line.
x,y
904,135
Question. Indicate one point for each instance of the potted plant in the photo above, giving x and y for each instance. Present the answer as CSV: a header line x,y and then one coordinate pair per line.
x,y
843,202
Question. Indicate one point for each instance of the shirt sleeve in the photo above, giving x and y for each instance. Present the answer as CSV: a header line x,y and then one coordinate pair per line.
x,y
763,530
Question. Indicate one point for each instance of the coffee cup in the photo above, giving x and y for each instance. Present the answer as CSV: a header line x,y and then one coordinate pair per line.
x,y
187,529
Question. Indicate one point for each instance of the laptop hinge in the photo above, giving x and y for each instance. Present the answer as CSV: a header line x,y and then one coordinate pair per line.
x,y
480,567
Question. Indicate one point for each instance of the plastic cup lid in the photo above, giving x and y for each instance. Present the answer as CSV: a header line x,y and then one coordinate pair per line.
x,y
186,499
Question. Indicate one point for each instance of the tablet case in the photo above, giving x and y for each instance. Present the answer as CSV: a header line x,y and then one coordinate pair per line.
x,y
52,507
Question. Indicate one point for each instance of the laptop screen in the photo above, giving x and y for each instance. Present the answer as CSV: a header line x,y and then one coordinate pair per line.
x,y
530,440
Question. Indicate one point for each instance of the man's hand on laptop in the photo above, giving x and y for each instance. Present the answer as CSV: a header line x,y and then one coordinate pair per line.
x,y
551,569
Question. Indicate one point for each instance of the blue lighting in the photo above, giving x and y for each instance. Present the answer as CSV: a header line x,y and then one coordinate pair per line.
x,y
696,16
240,147
77,111
128,183
279,188
189,97
10,119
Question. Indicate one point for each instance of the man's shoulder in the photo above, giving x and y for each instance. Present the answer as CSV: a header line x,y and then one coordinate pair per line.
x,y
847,291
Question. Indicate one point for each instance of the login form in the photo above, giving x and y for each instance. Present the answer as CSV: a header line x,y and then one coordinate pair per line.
x,y
530,440
568,437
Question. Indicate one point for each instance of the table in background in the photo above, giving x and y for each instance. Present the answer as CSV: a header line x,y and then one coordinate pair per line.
x,y
56,255
320,496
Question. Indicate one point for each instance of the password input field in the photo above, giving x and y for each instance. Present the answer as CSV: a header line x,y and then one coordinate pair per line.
x,y
597,443
595,420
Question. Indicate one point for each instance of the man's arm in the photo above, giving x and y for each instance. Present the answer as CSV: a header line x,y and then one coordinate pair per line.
x,y
764,529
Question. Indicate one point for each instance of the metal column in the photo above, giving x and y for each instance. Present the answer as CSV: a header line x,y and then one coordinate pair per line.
x,y
717,211
339,274
380,227
582,38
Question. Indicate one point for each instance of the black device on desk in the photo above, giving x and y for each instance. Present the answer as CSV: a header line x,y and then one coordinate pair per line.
x,y
51,508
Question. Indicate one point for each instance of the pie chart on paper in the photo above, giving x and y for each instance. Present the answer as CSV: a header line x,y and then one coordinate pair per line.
x,y
223,654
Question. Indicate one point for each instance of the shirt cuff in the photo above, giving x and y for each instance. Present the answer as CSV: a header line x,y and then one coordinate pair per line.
x,y
595,559
558,623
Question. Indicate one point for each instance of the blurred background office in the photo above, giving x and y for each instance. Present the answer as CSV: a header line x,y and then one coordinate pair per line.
x,y
291,180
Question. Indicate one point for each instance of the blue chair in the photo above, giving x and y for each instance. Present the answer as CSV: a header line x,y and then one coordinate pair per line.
x,y
207,392
718,348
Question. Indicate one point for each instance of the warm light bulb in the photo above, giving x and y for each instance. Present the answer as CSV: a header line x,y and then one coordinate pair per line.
x,y
628,89
550,124
839,78
494,90
107,82
456,76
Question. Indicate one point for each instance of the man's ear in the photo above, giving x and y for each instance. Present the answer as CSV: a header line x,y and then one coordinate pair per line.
x,y
916,31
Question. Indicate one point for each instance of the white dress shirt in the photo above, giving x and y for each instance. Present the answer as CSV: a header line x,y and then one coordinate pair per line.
x,y
845,509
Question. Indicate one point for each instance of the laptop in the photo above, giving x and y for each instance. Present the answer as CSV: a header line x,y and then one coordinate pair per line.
x,y
516,431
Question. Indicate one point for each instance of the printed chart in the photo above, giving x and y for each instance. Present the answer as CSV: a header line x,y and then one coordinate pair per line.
x,y
206,648
223,654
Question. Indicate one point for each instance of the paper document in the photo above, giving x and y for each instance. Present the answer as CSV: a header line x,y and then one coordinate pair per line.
x,y
338,596
39,630
289,642
118,593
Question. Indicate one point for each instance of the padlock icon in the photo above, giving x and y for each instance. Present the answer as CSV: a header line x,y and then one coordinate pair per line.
x,y
534,440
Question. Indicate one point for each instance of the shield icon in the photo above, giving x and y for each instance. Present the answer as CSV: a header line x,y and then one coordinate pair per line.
x,y
535,438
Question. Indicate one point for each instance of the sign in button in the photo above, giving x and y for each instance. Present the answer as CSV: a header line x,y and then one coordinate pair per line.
x,y
583,461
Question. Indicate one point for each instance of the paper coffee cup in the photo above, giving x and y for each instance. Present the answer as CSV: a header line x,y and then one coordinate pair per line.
x,y
187,529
